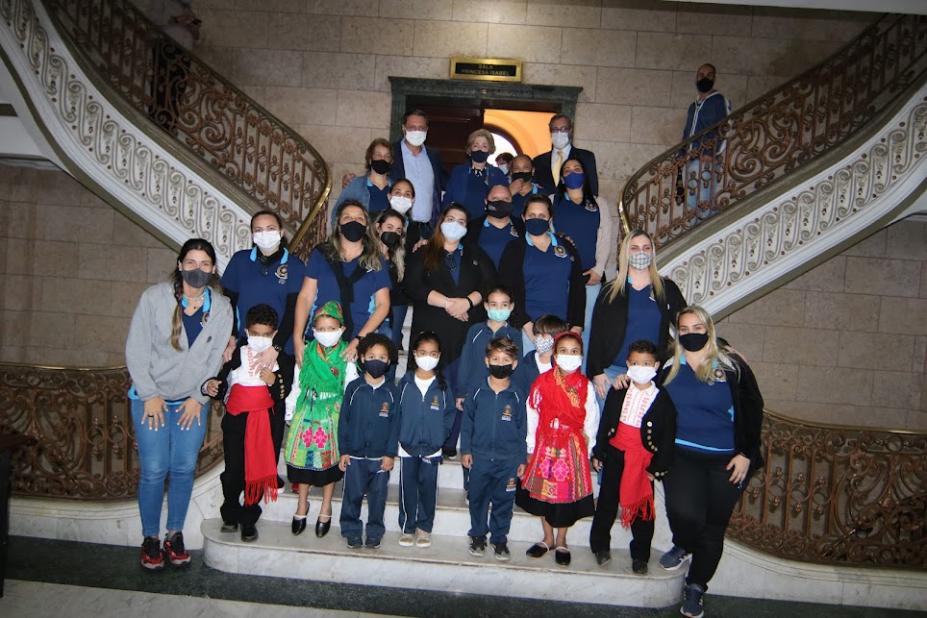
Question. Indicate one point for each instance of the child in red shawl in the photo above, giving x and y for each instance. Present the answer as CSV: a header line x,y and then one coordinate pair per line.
x,y
633,447
562,418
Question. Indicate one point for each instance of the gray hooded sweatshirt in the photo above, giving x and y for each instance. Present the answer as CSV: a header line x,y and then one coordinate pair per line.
x,y
156,368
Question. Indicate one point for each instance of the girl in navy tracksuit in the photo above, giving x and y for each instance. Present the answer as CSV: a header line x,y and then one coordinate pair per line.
x,y
426,415
368,437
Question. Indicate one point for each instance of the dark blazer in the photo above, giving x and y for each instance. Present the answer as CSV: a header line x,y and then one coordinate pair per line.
x,y
512,275
658,429
283,377
398,170
476,273
610,321
544,177
748,409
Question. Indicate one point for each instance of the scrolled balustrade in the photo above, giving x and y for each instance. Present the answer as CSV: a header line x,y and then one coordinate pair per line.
x,y
773,136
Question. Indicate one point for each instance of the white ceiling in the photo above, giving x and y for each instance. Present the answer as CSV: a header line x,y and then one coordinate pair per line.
x,y
876,6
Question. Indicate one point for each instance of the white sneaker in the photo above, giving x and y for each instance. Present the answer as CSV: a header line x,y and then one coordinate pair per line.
x,y
422,539
406,540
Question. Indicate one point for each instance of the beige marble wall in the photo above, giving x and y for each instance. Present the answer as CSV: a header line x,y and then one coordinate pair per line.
x,y
322,65
71,271
846,342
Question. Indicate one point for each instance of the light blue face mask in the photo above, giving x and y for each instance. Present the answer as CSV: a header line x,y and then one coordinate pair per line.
x,y
499,315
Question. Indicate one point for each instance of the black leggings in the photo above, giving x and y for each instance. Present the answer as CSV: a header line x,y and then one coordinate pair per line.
x,y
699,503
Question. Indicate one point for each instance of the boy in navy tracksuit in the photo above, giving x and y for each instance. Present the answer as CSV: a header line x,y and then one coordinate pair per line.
x,y
472,371
494,447
426,414
368,437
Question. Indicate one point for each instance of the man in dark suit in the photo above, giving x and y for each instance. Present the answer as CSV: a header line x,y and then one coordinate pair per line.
x,y
547,165
413,160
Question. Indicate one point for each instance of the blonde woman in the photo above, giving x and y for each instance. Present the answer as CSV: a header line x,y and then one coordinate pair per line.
x,y
470,181
638,305
719,417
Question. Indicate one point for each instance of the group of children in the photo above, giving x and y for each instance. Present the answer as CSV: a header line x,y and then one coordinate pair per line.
x,y
348,422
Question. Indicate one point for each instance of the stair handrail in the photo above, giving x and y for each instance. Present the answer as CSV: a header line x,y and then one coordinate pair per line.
x,y
759,144
179,95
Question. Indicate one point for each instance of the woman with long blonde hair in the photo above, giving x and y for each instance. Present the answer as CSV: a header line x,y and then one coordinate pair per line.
x,y
719,415
639,304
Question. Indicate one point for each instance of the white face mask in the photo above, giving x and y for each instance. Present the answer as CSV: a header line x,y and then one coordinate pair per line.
x,y
400,204
327,338
642,374
267,240
416,138
453,230
426,363
258,344
560,140
569,362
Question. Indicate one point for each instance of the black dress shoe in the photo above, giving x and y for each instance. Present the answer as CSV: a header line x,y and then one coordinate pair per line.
x,y
299,524
229,527
603,557
322,527
562,556
249,533
639,567
537,550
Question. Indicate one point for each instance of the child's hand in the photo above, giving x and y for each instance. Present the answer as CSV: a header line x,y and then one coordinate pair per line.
x,y
460,401
520,472
597,465
466,461
386,463
344,462
269,377
650,476
212,387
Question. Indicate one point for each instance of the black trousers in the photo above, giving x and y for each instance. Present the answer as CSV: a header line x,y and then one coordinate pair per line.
x,y
233,478
606,510
699,502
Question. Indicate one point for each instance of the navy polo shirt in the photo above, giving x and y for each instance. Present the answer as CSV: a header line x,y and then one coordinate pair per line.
x,y
643,322
579,223
379,198
364,290
547,279
705,412
493,240
256,282
518,201
452,261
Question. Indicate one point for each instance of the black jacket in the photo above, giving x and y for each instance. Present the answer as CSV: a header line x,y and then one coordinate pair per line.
x,y
658,429
477,273
610,320
544,177
512,275
748,410
283,381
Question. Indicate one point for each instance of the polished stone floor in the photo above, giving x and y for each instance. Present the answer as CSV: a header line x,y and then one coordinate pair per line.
x,y
61,578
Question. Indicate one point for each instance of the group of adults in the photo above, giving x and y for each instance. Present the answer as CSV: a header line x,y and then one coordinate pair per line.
x,y
406,234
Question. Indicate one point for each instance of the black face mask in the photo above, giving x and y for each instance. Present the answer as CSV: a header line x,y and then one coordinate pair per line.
x,y
499,209
380,166
479,156
195,278
693,342
353,230
536,227
376,368
501,371
390,239
526,176
705,84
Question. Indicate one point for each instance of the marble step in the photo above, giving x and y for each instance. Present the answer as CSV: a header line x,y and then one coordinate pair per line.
x,y
445,566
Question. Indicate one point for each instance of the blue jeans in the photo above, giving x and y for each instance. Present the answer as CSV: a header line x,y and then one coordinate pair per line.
x,y
172,452
592,293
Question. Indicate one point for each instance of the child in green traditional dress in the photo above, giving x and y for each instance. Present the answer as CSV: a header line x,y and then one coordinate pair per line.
x,y
313,410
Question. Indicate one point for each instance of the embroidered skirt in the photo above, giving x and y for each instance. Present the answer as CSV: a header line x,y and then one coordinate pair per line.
x,y
557,484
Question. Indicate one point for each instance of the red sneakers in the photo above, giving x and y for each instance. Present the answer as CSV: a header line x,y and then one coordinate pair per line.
x,y
174,550
152,558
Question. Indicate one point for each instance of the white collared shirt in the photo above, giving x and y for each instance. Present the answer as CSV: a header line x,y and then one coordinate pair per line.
x,y
636,403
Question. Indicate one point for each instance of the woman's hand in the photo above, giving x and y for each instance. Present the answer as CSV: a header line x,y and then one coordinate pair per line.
x,y
456,306
386,463
190,410
601,385
229,349
154,413
595,278
350,353
266,359
739,465
622,381
344,462
299,347
419,245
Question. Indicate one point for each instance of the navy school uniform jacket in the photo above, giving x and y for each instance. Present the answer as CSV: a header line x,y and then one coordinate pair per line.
x,y
369,422
658,429
526,372
283,376
424,421
495,425
472,371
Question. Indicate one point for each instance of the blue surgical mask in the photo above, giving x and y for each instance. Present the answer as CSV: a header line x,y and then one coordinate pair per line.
x,y
574,180
499,315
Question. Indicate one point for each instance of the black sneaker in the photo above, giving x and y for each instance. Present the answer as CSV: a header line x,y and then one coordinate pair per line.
x,y
477,546
229,527
603,557
152,558
639,567
373,543
249,533
502,552
673,558
692,601
355,543
174,550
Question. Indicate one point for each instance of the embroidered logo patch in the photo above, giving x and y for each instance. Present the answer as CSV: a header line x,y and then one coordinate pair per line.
x,y
507,413
511,485
434,403
384,410
560,251
282,273
591,207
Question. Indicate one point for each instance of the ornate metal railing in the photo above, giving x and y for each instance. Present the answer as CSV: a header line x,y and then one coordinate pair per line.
x,y
181,94
837,495
84,432
771,137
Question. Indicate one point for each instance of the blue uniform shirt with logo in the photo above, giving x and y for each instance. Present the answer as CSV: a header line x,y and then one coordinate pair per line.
x,y
364,290
547,279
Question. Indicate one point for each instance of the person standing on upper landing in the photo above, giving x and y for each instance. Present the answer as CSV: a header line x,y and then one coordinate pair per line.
x,y
704,154
471,181
421,165
372,190
547,165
